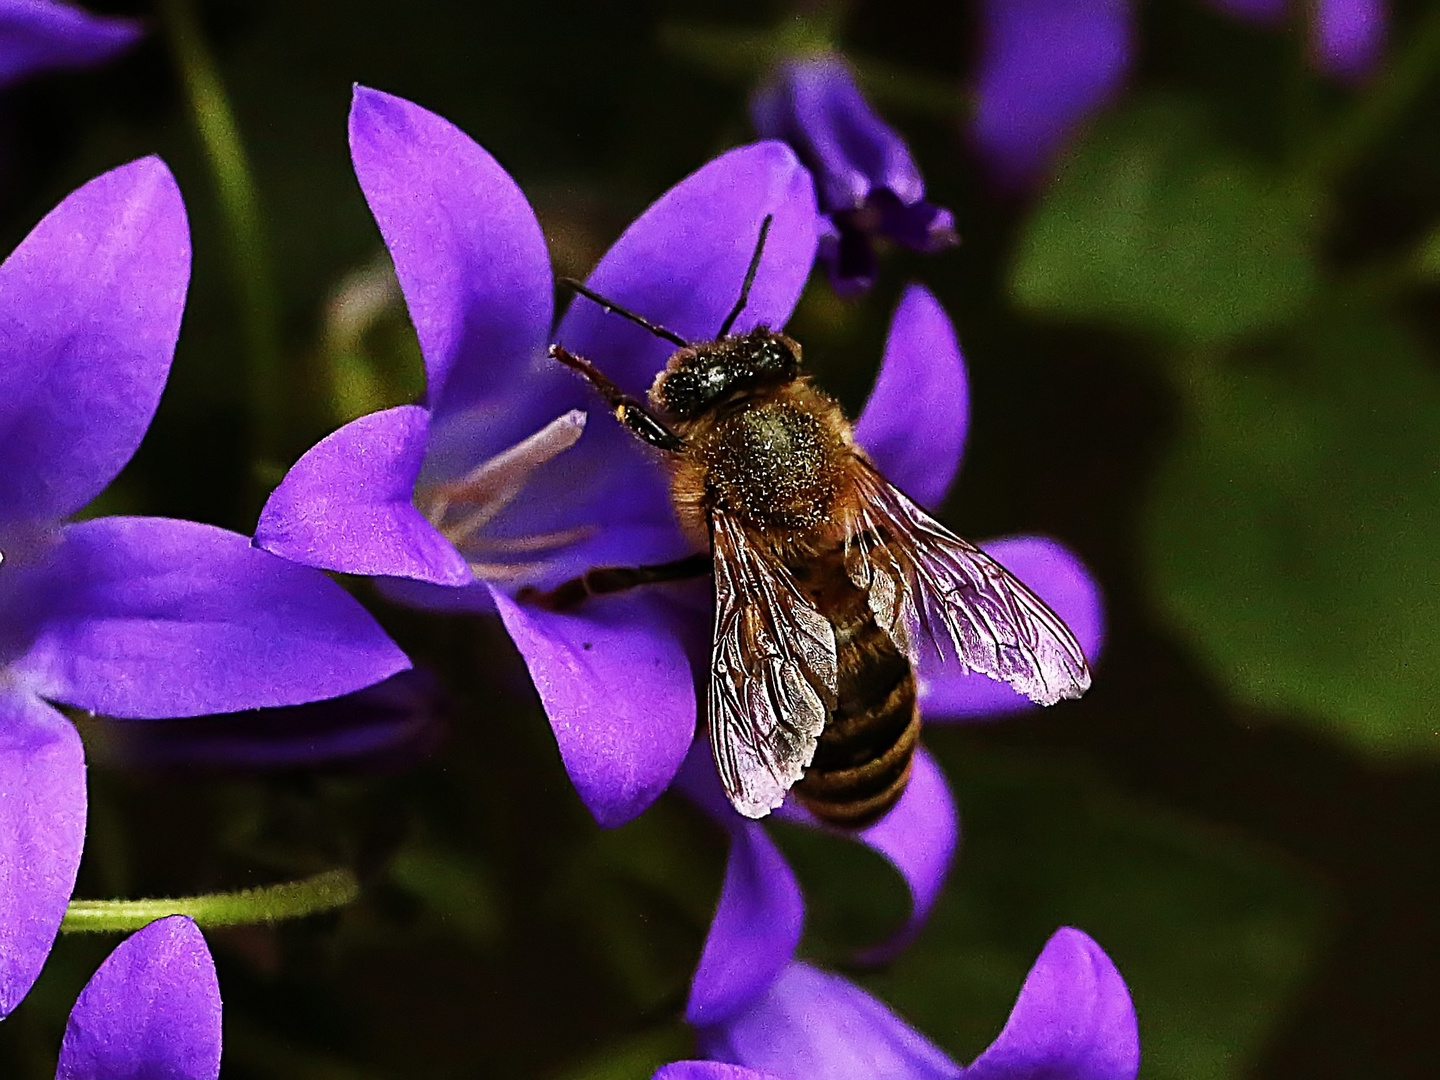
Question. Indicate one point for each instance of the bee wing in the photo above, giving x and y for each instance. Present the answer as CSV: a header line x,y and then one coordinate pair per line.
x,y
922,578
772,672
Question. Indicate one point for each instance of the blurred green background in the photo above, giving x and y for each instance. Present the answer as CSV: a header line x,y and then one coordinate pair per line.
x,y
1204,355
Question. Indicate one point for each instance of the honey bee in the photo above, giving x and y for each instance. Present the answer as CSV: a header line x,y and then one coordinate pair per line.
x,y
827,577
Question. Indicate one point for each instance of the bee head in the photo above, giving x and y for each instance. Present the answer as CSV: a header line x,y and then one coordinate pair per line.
x,y
701,377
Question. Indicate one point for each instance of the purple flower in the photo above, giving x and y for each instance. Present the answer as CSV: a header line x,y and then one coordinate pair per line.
x,y
866,182
497,478
131,617
1346,37
761,913
152,1010
39,35
1073,1020
1045,66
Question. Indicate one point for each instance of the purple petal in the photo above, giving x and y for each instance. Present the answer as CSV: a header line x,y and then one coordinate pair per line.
x,y
1073,1020
682,262
153,617
615,682
42,829
90,306
814,105
37,35
707,1070
346,505
1045,66
1347,37
470,257
152,1010
918,837
756,928
813,1025
918,450
1059,578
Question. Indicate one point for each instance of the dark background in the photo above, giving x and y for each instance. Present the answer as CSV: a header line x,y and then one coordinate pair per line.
x,y
1239,812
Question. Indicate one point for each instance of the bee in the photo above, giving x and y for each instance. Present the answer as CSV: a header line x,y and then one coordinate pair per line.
x,y
828,579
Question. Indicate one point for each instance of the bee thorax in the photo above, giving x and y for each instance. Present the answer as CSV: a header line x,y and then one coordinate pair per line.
x,y
774,466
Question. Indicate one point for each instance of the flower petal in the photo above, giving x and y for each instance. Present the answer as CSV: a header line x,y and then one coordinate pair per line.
x,y
153,617
707,1070
1045,66
90,306
470,257
346,505
1059,578
151,1010
918,448
616,684
37,35
756,928
918,837
813,1025
42,829
1072,1021
1347,37
814,105
682,262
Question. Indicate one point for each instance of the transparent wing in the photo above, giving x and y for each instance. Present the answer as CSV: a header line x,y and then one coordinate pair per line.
x,y
772,673
923,579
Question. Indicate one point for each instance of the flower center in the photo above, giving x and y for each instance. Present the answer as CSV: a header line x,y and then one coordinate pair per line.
x,y
462,508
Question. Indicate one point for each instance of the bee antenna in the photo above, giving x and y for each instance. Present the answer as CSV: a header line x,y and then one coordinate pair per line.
x,y
749,278
612,308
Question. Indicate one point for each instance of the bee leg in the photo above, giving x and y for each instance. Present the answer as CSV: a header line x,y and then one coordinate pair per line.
x,y
613,579
631,412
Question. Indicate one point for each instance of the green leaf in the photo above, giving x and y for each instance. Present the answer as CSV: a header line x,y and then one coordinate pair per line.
x,y
1156,225
1294,526
1211,932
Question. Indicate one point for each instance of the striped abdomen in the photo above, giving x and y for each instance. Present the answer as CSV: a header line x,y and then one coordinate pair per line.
x,y
862,762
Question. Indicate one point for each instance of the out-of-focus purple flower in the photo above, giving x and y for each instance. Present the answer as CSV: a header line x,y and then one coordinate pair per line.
x,y
868,186
131,617
477,488
383,728
1346,37
1044,67
151,1011
40,35
1073,1020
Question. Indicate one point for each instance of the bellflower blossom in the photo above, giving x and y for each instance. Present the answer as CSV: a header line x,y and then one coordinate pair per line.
x,y
151,1010
866,182
40,35
477,489
1073,1020
1046,66
127,616
379,495
1346,37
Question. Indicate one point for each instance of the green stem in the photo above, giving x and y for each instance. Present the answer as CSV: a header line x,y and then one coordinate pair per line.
x,y
240,208
291,900
1354,135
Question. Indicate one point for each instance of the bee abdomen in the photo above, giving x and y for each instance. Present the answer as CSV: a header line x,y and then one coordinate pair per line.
x,y
862,762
